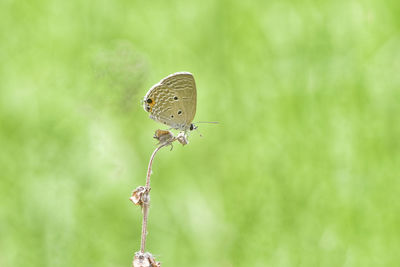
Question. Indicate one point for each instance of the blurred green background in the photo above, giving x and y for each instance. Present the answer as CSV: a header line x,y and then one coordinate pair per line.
x,y
303,169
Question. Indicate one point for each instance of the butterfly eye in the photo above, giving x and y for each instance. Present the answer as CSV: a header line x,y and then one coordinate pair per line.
x,y
149,100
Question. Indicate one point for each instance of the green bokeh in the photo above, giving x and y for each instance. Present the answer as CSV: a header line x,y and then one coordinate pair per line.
x,y
303,169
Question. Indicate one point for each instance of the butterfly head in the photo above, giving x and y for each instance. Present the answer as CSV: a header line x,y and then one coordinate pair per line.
x,y
192,127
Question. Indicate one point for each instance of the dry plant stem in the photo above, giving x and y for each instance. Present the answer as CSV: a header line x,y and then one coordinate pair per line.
x,y
146,202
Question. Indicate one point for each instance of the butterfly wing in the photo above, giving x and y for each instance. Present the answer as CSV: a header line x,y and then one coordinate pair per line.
x,y
173,100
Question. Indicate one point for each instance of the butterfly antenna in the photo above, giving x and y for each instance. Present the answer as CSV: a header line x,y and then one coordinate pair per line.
x,y
212,122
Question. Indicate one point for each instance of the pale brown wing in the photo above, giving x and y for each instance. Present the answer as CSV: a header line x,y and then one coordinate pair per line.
x,y
173,100
183,86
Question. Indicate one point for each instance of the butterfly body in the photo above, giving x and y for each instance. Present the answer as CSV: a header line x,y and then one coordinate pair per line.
x,y
172,101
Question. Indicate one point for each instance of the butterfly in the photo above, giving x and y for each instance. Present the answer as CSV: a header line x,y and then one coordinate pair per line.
x,y
172,101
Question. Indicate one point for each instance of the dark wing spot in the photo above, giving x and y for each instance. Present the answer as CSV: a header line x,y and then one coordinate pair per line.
x,y
148,108
172,116
179,112
175,98
191,127
149,100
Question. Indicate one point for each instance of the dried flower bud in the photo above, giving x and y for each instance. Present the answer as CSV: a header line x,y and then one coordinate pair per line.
x,y
164,136
145,260
182,138
140,195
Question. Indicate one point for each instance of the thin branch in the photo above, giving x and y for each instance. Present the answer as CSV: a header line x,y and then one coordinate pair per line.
x,y
146,200
141,196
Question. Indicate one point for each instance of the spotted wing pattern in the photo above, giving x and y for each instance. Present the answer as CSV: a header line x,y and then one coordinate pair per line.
x,y
173,100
